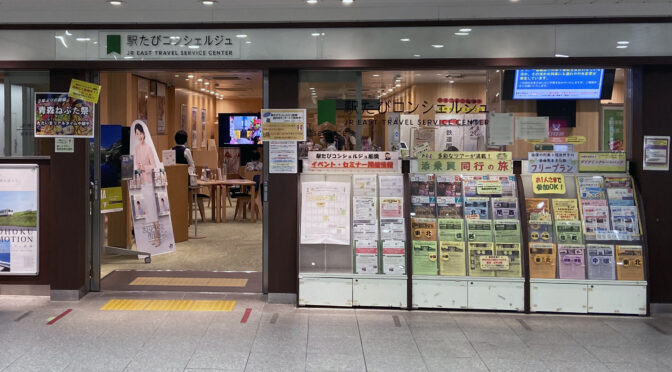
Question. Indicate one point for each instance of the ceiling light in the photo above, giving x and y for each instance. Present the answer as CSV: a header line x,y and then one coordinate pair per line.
x,y
462,33
398,85
199,80
315,34
207,83
465,30
376,75
437,45
177,75
562,56
621,46
115,2
208,2
248,42
187,79
417,56
390,90
241,36
311,1
202,89
190,76
405,39
623,42
194,46
128,57
348,2
83,39
514,1
451,81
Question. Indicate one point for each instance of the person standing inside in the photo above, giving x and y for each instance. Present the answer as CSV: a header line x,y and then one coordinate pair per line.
x,y
182,153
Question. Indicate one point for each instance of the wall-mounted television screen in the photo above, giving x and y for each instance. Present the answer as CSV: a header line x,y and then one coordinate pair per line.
x,y
558,84
239,129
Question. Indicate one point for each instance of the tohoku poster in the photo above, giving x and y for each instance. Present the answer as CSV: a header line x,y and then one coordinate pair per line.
x,y
19,212
57,115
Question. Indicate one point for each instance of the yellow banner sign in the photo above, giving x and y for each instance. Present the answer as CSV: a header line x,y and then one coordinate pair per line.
x,y
576,140
466,155
83,90
599,162
465,166
548,183
283,125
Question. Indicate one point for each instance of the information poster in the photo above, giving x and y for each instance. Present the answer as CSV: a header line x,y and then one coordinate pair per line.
x,y
565,209
325,213
57,115
657,153
501,129
349,161
452,260
552,162
465,162
394,257
548,183
613,129
148,194
602,162
84,90
283,125
366,257
424,258
532,128
629,262
19,212
283,157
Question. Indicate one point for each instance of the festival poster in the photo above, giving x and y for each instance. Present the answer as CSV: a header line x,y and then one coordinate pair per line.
x,y
57,115
151,217
19,213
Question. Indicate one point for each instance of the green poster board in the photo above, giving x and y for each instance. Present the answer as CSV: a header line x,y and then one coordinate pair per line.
x,y
613,129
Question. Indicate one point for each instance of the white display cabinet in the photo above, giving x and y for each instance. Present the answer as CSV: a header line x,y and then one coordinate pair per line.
x,y
473,293
588,297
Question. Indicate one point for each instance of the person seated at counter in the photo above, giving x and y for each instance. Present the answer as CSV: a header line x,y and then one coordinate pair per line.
x,y
254,165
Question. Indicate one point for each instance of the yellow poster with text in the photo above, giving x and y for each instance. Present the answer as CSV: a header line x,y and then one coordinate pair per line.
x,y
283,125
83,90
548,183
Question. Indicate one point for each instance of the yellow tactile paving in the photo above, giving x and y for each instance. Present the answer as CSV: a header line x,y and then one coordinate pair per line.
x,y
189,282
126,305
169,305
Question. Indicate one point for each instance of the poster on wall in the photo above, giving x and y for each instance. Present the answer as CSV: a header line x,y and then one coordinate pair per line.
x,y
501,129
19,215
160,108
230,159
194,128
613,128
325,213
110,169
532,127
204,138
143,97
283,157
183,117
57,115
148,195
657,153
283,125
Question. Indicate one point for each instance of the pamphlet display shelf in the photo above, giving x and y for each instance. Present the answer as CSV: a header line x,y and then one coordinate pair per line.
x,y
464,292
597,265
352,245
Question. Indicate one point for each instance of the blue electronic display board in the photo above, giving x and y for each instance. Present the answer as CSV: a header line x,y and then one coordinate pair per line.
x,y
558,84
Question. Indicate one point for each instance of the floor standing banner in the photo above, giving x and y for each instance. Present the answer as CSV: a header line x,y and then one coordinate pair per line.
x,y
148,195
19,211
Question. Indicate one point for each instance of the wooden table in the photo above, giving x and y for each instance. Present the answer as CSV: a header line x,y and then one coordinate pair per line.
x,y
218,191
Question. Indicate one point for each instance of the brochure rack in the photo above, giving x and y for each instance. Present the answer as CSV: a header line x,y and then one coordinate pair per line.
x,y
593,257
467,242
359,257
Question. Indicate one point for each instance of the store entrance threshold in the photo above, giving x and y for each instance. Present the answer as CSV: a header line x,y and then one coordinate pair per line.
x,y
183,281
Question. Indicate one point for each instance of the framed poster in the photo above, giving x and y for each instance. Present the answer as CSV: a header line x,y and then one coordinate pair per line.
x,y
19,219
657,153
57,115
143,97
194,128
204,138
160,108
183,117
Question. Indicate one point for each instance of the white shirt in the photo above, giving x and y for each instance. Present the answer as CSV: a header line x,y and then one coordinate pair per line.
x,y
190,161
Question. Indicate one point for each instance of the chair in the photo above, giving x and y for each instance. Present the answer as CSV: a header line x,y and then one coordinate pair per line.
x,y
244,201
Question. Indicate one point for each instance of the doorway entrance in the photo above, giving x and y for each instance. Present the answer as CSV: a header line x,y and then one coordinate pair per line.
x,y
210,205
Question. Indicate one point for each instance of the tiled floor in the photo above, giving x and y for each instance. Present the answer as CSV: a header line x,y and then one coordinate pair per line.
x,y
284,338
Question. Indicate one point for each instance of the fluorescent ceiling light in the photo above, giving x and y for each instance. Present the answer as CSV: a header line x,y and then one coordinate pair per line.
x,y
311,1
621,46
562,56
116,2
248,42
83,39
128,57
241,36
202,89
405,39
207,83
623,42
376,75
315,34
437,45
417,56
177,75
190,76
194,46
208,2
390,90
451,81
348,2
199,80
465,30
398,85
462,33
